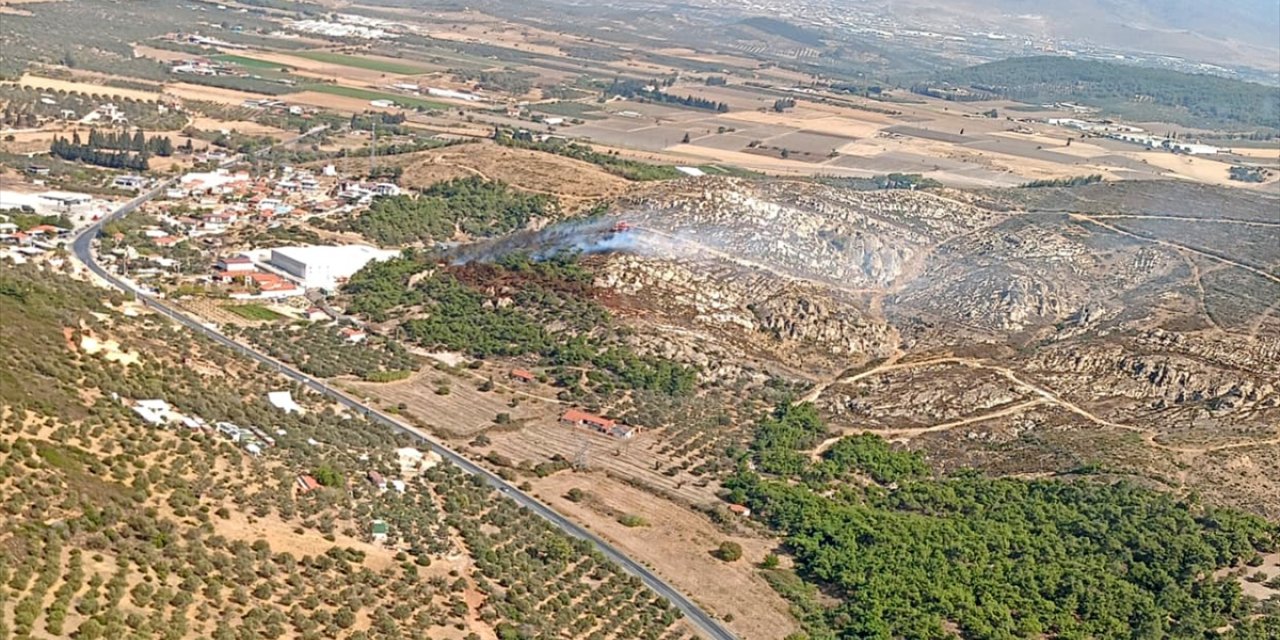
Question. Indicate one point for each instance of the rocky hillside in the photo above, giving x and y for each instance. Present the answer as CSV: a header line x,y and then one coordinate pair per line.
x,y
1004,328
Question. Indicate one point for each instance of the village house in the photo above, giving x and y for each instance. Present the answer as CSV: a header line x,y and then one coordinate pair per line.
x,y
353,335
307,484
235,264
377,480
602,425
47,230
523,376
740,510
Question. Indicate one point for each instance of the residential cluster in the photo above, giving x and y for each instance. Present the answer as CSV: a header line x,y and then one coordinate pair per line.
x,y
1136,135
210,211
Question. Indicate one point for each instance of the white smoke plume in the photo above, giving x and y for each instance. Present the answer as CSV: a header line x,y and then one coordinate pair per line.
x,y
584,237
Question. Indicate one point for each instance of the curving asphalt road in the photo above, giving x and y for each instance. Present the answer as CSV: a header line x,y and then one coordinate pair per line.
x,y
82,247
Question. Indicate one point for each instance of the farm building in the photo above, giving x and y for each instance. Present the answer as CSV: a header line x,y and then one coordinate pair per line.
x,y
522,375
603,425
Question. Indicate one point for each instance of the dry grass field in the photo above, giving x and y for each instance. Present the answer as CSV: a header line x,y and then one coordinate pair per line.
x,y
188,91
574,182
41,82
462,411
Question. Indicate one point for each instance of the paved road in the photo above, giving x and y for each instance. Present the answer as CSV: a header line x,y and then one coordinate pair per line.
x,y
82,247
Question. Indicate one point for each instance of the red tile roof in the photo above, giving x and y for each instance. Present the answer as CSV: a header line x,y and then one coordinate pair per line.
x,y
574,415
307,483
523,375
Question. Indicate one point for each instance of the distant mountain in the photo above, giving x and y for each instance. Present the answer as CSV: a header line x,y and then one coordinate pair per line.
x,y
1134,92
1234,32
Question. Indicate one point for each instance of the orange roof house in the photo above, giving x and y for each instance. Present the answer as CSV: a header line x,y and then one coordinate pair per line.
x,y
307,484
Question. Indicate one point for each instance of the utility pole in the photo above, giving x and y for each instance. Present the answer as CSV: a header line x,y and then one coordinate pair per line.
x,y
582,459
373,149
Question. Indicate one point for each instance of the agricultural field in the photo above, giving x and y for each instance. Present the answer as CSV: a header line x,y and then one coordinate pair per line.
x,y
185,530
255,312
452,403
246,61
381,65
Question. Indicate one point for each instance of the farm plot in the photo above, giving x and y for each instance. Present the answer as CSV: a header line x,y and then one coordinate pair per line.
x,y
451,404
254,312
382,65
246,61
638,460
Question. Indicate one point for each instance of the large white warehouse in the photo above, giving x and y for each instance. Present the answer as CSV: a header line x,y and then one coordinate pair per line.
x,y
325,267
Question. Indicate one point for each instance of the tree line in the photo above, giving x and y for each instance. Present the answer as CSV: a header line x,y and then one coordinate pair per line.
x,y
641,89
112,149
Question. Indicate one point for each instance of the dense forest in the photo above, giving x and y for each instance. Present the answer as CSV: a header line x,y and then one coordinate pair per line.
x,y
548,315
472,206
1189,99
913,555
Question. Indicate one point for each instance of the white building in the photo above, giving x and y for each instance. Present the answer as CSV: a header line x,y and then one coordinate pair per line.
x,y
155,412
1191,148
283,400
324,267
129,182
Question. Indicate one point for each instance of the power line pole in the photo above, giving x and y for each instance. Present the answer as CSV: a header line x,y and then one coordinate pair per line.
x,y
373,149
581,459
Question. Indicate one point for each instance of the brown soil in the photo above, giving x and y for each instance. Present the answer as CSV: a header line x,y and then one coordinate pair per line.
x,y
678,543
